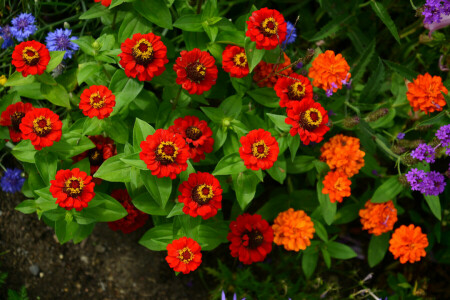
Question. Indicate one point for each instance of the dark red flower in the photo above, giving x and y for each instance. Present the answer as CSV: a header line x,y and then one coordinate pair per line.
x,y
42,127
183,255
259,150
30,58
294,87
196,71
135,218
105,3
201,195
267,28
165,153
72,189
308,119
234,61
12,117
267,74
251,238
197,134
97,101
143,56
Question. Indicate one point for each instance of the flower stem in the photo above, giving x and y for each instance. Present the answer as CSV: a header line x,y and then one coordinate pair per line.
x,y
175,101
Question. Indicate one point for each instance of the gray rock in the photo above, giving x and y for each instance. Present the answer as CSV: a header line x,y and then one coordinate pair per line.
x,y
34,269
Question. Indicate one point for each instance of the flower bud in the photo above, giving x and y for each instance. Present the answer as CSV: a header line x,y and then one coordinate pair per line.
x,y
350,122
408,160
403,181
375,115
397,149
3,80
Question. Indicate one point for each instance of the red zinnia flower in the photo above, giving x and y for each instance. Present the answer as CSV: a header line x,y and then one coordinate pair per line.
x,y
267,28
104,149
42,127
251,238
197,135
259,150
183,255
308,119
196,71
12,117
144,56
135,218
234,61
293,89
97,101
201,195
105,3
165,153
72,189
266,74
30,58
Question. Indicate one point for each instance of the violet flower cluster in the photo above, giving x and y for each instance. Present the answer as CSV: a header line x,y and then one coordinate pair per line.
x,y
23,26
443,134
428,183
434,10
424,152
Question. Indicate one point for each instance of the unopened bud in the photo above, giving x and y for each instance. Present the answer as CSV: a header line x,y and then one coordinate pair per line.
x,y
424,127
96,45
66,25
397,149
403,180
309,55
350,122
375,115
3,80
408,160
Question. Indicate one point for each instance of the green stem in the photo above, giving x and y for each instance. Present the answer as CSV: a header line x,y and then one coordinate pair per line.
x,y
175,101
199,6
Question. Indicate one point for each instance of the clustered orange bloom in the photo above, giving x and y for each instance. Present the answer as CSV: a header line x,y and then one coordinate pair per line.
x,y
378,218
337,185
425,93
329,71
263,70
408,243
293,230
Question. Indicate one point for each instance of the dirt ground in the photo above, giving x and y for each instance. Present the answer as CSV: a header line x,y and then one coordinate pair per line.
x,y
107,265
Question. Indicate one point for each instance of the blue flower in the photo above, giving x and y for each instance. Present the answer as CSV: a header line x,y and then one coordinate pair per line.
x,y
5,33
291,34
400,135
23,26
60,40
12,180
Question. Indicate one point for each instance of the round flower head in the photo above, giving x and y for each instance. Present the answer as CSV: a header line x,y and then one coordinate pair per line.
x,y
433,10
143,56
12,181
424,152
105,3
5,34
293,230
425,93
342,153
134,220
30,58
60,40
72,189
337,186
378,218
259,150
251,238
234,61
443,134
12,117
183,255
291,34
196,71
23,26
97,101
42,127
329,71
433,184
408,243
165,153
293,88
197,134
308,119
267,28
263,72
201,195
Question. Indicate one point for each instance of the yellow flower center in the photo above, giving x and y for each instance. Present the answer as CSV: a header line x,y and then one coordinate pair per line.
x,y
185,255
196,72
30,55
73,186
202,194
143,52
310,119
270,26
260,149
42,126
193,133
240,60
296,91
166,152
339,184
96,100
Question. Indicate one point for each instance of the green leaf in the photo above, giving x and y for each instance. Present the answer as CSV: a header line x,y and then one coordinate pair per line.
x,y
309,262
301,164
46,164
383,14
435,206
265,96
135,161
328,209
127,94
104,208
278,120
17,79
46,78
95,11
231,106
387,191
148,205
245,187
140,132
340,251
278,171
87,70
85,43
378,247
294,143
132,24
159,188
321,231
56,58
24,151
192,23
56,94
116,129
401,70
27,206
326,257
211,236
372,87
254,56
157,238
332,27
231,37
230,164
363,62
177,210
156,11
115,170
214,114
84,165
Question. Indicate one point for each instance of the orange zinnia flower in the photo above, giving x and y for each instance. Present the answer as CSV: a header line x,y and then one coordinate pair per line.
x,y
337,185
378,218
408,243
329,71
263,69
425,93
342,153
293,230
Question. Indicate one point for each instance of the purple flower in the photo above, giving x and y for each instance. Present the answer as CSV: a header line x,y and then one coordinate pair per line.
x,y
225,298
291,34
433,184
60,40
415,178
23,26
346,82
434,9
400,136
5,33
443,67
424,152
299,65
443,134
12,180
435,26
